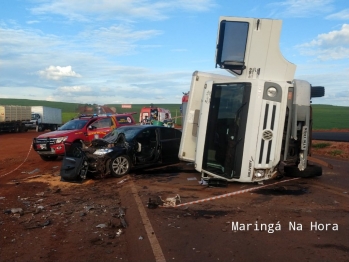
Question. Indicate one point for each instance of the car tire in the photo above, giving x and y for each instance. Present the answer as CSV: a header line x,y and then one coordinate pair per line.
x,y
310,171
49,158
120,166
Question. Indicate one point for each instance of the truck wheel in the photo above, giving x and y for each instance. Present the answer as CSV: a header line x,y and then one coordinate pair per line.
x,y
39,128
120,166
53,128
310,171
49,158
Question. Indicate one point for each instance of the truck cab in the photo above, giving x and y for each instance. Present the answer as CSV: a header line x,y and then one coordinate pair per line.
x,y
240,127
82,129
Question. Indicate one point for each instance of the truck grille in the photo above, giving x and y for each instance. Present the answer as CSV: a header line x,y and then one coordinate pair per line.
x,y
267,137
50,141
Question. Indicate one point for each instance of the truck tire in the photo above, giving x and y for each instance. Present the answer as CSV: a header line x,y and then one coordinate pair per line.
x,y
310,171
48,158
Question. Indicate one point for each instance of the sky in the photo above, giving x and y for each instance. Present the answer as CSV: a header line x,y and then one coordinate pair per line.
x,y
145,51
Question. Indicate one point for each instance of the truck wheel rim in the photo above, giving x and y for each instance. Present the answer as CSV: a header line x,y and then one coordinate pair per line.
x,y
120,165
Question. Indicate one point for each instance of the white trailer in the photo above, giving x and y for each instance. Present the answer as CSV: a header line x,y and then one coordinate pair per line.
x,y
14,118
43,117
241,128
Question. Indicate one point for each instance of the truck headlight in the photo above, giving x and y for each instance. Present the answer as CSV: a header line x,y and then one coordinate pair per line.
x,y
61,139
103,151
259,173
271,92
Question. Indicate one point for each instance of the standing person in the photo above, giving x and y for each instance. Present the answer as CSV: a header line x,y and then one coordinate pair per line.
x,y
145,121
167,120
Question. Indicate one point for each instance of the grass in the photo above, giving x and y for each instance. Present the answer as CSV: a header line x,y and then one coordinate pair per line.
x,y
325,117
336,152
321,145
330,117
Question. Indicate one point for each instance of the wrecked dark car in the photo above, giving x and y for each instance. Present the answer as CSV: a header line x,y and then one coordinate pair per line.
x,y
123,149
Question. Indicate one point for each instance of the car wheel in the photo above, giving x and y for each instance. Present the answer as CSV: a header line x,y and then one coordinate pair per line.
x,y
310,171
49,158
120,166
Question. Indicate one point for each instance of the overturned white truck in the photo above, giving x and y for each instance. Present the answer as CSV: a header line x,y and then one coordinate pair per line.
x,y
243,128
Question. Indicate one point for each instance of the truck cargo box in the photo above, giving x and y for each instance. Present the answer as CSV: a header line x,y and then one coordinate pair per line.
x,y
48,115
10,113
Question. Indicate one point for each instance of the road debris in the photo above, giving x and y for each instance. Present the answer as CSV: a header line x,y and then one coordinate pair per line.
x,y
102,225
118,233
171,201
152,204
122,217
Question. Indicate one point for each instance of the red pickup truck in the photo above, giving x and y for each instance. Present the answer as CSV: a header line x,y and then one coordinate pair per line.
x,y
85,128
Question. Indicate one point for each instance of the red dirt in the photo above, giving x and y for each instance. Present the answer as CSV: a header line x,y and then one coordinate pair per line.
x,y
62,221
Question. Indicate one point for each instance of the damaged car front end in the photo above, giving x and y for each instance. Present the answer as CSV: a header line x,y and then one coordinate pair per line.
x,y
124,149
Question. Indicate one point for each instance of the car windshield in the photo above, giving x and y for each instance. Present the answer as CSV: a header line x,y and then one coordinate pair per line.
x,y
129,132
74,124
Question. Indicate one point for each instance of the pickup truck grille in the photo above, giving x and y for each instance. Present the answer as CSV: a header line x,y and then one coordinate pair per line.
x,y
50,141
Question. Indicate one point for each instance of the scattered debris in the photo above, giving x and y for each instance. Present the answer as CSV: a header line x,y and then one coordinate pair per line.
x,y
102,225
121,216
16,210
34,171
118,233
171,201
88,208
203,182
122,181
1,198
140,238
38,225
152,204
191,178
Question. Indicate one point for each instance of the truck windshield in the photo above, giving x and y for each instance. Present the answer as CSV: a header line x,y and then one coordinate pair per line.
x,y
35,117
226,126
74,124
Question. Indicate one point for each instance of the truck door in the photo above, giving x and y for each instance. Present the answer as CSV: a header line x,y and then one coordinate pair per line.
x,y
100,128
222,125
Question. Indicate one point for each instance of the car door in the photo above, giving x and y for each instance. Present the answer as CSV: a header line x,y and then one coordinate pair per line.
x,y
148,146
169,144
74,164
100,128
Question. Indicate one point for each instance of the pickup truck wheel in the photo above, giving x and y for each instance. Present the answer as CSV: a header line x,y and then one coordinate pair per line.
x,y
120,166
49,158
310,171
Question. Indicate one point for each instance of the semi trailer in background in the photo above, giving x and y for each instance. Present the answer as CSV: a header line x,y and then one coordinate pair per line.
x,y
14,118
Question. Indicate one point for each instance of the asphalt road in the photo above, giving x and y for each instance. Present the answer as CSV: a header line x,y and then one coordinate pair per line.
x,y
331,136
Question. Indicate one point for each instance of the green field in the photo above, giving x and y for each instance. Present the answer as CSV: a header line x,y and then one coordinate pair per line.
x,y
330,117
324,116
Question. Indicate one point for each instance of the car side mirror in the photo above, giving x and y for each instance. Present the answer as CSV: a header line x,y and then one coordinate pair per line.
x,y
91,127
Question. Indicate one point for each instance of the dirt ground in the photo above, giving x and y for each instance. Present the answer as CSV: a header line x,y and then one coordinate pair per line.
x,y
338,150
44,219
